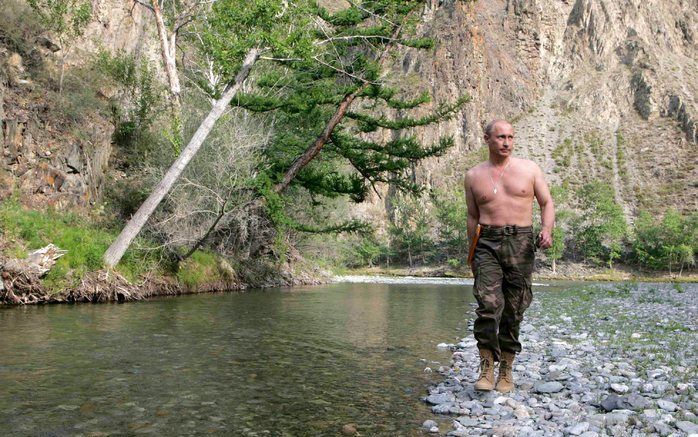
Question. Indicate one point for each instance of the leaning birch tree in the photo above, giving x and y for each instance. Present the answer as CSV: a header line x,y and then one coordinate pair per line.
x,y
252,28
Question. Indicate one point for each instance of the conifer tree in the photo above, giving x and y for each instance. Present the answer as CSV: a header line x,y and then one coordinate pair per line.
x,y
332,107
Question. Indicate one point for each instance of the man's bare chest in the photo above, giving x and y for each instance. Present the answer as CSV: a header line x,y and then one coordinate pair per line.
x,y
514,186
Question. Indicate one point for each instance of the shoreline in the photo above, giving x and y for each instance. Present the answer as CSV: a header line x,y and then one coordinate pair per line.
x,y
596,360
104,286
568,272
108,286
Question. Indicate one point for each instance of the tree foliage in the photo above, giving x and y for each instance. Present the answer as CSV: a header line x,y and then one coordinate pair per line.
x,y
452,215
603,228
342,62
666,243
67,18
410,230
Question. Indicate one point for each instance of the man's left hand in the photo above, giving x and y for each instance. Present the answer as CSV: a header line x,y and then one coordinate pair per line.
x,y
545,239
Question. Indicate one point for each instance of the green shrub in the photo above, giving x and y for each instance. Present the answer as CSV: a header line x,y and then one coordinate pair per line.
x,y
137,101
602,226
666,243
452,214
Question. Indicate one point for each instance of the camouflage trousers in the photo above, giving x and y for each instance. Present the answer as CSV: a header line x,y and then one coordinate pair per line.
x,y
503,264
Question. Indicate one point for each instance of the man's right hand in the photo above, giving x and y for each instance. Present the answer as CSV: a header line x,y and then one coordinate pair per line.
x,y
545,240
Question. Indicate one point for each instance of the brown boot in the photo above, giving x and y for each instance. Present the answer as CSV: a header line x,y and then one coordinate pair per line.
x,y
505,379
486,380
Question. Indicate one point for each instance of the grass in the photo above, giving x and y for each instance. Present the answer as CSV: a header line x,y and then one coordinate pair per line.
x,y
25,231
199,269
562,154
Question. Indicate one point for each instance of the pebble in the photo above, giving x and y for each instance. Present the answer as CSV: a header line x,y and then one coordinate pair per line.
x,y
429,424
548,387
440,398
579,428
574,380
663,429
667,405
687,427
620,388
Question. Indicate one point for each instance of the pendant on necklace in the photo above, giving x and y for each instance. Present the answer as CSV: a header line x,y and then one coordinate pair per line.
x,y
495,191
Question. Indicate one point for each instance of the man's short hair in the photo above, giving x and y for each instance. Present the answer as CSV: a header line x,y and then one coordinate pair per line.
x,y
491,124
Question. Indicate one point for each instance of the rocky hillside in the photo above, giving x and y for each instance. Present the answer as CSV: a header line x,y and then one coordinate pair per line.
x,y
57,143
596,89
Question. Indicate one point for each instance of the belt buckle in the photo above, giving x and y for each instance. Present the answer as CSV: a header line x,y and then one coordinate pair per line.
x,y
509,230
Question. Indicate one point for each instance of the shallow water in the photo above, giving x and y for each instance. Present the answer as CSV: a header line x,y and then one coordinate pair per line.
x,y
304,361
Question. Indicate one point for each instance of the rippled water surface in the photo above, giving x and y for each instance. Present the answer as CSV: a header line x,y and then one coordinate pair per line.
x,y
281,362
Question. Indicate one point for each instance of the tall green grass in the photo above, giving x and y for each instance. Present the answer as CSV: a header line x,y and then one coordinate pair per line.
x,y
26,230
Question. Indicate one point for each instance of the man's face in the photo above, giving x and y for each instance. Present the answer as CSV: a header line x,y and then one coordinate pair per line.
x,y
501,141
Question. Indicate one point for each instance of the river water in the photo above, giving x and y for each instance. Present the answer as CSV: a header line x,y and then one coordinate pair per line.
x,y
302,361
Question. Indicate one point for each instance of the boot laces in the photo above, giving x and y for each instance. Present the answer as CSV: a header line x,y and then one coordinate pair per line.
x,y
485,365
506,371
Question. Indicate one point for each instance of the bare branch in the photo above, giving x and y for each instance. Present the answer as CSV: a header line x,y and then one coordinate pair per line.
x,y
140,2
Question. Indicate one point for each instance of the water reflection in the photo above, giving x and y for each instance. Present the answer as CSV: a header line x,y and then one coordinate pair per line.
x,y
299,362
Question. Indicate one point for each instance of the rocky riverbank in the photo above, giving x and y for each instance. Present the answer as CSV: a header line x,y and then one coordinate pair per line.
x,y
618,360
567,271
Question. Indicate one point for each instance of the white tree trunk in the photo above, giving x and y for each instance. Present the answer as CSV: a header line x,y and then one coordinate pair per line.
x,y
113,255
167,49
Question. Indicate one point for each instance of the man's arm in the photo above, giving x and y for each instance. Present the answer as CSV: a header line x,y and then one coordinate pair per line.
x,y
547,209
473,211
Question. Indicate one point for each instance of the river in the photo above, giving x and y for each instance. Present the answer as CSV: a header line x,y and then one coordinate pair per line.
x,y
302,361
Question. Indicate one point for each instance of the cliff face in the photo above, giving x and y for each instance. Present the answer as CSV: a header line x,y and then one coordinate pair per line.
x,y
596,90
57,144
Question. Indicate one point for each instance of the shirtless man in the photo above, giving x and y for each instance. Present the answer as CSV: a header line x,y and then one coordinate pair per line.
x,y
499,194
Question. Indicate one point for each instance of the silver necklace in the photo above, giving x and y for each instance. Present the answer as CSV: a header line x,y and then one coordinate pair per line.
x,y
499,179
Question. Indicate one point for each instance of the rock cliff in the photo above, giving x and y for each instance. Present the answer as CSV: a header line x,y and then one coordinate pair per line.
x,y
52,155
596,89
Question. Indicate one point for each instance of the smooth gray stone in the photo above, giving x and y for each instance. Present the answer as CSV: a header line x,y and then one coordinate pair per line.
x,y
613,419
548,387
428,424
660,386
667,405
619,388
637,402
663,429
477,410
440,398
579,428
611,402
443,408
466,421
687,427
